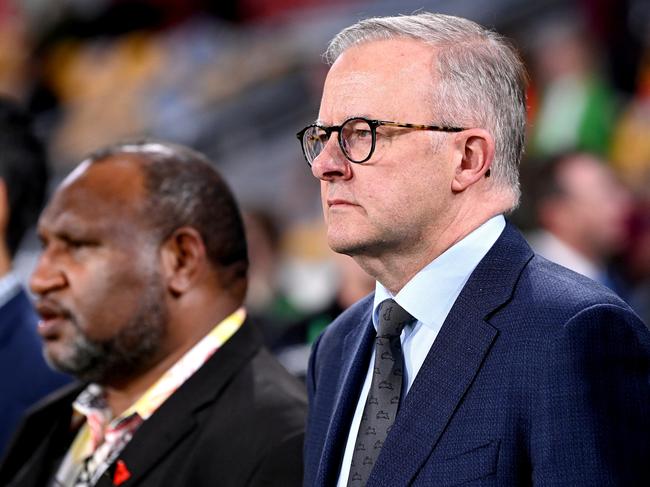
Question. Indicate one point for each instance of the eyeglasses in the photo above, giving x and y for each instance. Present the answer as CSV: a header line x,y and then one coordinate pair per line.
x,y
357,137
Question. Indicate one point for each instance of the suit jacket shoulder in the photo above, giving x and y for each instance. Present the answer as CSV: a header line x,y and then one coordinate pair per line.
x,y
538,375
239,420
41,440
25,378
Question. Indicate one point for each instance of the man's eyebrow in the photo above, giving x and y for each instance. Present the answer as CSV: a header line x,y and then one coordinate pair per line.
x,y
70,224
347,117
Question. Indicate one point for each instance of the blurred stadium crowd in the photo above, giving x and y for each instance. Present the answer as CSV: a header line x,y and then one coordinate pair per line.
x,y
236,79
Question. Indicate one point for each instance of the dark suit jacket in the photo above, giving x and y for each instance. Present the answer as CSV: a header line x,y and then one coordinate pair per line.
x,y
239,420
24,376
538,376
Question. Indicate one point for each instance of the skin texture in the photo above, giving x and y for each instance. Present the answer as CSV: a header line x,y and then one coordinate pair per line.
x,y
98,276
421,191
118,305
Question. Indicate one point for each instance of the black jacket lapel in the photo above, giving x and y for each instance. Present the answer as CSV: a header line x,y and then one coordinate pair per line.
x,y
174,420
42,441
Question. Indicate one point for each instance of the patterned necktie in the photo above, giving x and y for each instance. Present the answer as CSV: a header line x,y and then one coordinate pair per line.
x,y
384,395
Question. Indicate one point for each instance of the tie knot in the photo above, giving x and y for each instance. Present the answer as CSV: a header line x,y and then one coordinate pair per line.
x,y
392,319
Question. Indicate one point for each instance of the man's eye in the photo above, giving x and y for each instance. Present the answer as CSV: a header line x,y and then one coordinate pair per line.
x,y
74,243
319,138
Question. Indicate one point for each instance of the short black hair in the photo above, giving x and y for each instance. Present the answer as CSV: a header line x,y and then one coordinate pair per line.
x,y
545,178
184,189
541,182
23,168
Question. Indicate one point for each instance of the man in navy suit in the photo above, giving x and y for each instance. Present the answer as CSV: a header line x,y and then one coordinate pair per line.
x,y
511,370
24,376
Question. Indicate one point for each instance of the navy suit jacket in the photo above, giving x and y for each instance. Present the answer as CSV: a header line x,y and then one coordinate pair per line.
x,y
538,376
24,376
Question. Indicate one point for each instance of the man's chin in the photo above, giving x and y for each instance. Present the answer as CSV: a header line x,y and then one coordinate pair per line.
x,y
53,353
341,246
54,361
349,247
67,361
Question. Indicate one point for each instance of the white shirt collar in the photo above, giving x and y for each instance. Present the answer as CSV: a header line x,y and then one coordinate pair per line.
x,y
431,293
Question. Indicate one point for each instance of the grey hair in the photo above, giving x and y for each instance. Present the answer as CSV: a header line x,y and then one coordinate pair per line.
x,y
481,80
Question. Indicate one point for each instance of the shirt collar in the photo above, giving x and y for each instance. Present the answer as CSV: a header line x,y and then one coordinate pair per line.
x,y
431,293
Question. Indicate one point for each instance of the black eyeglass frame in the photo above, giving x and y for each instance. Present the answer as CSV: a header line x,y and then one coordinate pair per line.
x,y
373,124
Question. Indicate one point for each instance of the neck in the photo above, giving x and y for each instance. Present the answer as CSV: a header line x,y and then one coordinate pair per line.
x,y
190,319
122,394
396,267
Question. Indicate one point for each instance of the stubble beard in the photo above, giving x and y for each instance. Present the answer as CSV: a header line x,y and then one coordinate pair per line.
x,y
362,246
130,352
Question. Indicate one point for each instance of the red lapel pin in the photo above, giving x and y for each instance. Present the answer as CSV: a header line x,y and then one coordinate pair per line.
x,y
122,473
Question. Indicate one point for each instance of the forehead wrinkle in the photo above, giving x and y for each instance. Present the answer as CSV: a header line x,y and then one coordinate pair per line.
x,y
376,93
74,223
346,90
86,203
84,200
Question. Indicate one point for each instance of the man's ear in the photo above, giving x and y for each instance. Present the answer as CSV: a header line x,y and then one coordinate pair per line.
x,y
476,153
183,257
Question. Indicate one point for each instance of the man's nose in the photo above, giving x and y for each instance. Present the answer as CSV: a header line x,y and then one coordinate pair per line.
x,y
331,163
47,276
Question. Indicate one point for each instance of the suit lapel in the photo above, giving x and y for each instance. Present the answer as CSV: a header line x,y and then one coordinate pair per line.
x,y
358,346
149,446
174,420
452,363
43,439
34,470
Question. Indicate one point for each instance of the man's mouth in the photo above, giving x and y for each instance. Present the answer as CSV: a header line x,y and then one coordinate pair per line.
x,y
337,203
53,316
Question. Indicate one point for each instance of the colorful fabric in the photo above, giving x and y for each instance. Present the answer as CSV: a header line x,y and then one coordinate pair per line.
x,y
101,438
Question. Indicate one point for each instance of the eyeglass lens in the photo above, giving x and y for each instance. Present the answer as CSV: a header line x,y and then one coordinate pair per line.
x,y
356,140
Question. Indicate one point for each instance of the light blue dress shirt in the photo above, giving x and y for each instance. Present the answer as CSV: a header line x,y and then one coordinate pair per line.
x,y
428,297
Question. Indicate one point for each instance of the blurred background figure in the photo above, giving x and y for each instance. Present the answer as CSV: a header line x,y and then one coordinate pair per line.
x,y
351,283
292,273
635,261
574,103
24,376
263,298
583,212
630,151
297,285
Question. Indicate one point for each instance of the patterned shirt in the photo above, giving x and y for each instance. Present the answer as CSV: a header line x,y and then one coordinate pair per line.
x,y
101,438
